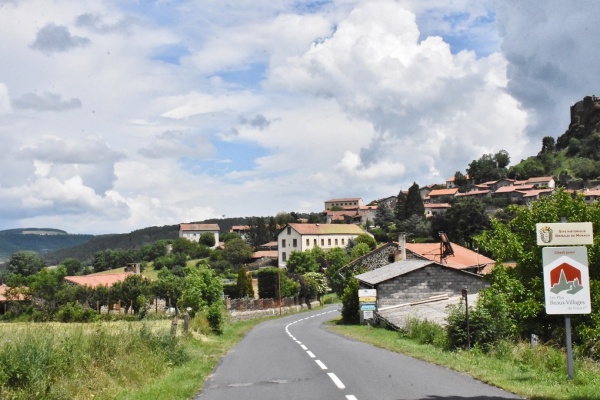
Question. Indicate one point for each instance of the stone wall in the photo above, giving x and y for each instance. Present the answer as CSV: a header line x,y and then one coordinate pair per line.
x,y
381,257
426,282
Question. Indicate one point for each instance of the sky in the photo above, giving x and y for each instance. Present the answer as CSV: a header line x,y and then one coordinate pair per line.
x,y
119,115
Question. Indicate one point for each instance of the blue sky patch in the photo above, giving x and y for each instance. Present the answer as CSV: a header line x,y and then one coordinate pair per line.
x,y
170,53
230,156
249,76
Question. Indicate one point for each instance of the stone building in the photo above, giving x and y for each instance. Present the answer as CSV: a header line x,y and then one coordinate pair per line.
x,y
412,280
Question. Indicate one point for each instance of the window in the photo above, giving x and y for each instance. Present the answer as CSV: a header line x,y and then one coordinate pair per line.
x,y
283,243
307,242
289,230
322,242
328,242
343,240
336,243
295,242
315,242
283,256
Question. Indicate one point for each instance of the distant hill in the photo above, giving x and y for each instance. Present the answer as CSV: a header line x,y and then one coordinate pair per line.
x,y
133,240
41,240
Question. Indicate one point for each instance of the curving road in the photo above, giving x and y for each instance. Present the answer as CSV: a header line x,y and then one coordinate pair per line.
x,y
294,357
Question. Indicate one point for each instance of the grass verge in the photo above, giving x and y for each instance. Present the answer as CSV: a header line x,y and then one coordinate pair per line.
x,y
535,373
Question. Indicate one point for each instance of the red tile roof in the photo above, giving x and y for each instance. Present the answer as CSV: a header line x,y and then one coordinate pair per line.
x,y
540,179
265,253
199,227
97,280
343,199
437,205
3,295
443,192
463,258
473,193
327,229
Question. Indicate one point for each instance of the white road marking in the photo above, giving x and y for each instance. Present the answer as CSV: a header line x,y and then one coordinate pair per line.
x,y
310,353
336,380
351,397
320,364
304,347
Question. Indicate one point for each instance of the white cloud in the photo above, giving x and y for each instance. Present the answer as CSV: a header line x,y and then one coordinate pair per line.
x,y
552,59
116,116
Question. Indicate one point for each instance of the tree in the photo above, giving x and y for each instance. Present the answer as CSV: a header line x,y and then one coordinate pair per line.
x,y
244,283
207,239
366,239
400,210
25,263
350,303
548,145
133,292
237,252
359,250
489,167
259,232
168,287
464,220
73,266
201,289
414,202
336,259
516,241
301,262
384,218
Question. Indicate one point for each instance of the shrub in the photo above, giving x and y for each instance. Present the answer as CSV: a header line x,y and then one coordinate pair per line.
x,y
75,312
216,317
350,303
426,332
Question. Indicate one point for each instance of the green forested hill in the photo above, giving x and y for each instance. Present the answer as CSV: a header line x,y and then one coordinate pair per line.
x,y
122,241
38,240
133,240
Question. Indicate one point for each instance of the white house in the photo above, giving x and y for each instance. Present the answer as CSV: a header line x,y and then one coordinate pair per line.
x,y
300,237
193,232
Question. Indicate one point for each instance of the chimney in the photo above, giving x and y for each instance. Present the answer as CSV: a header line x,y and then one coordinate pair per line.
x,y
401,253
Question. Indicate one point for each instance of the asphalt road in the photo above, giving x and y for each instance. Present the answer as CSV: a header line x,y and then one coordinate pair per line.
x,y
295,357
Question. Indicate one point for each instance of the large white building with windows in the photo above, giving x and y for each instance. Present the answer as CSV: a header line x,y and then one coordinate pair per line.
x,y
301,237
194,231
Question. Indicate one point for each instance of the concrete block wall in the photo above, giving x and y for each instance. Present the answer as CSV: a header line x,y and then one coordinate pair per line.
x,y
426,282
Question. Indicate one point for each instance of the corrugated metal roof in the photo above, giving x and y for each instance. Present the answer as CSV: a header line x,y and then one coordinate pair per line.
x,y
390,271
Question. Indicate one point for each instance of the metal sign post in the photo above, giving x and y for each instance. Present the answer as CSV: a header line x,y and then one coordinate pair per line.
x,y
464,294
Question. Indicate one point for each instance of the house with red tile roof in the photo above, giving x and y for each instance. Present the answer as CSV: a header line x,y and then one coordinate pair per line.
x,y
591,195
349,202
542,182
441,195
193,232
433,209
97,280
462,259
301,237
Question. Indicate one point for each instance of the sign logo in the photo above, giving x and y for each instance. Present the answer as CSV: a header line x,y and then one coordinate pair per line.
x,y
565,277
546,234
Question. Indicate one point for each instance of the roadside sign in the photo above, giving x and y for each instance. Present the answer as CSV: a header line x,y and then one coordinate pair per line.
x,y
567,233
368,314
566,280
368,307
367,292
367,299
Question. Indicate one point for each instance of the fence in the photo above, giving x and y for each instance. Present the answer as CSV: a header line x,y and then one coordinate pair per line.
x,y
250,304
